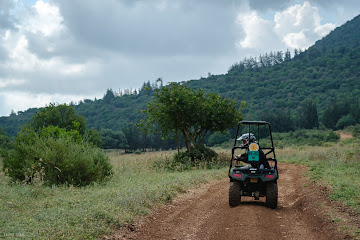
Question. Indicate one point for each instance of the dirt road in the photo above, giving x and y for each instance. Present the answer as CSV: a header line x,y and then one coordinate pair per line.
x,y
204,213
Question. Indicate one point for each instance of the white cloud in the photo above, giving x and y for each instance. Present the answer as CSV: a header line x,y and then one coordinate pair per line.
x,y
297,26
296,40
46,19
255,29
26,100
11,82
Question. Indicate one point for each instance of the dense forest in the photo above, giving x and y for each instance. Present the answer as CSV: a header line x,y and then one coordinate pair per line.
x,y
317,87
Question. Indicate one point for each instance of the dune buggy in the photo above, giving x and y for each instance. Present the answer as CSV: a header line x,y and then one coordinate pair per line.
x,y
254,180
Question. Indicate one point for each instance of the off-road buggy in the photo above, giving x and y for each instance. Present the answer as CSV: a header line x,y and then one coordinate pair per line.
x,y
254,180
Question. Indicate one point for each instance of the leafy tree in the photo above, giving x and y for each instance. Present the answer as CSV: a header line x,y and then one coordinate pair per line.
x,y
218,138
180,109
308,116
5,142
345,121
54,149
113,139
55,157
109,95
280,120
62,115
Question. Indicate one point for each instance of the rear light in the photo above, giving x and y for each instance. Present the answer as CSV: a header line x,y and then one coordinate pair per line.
x,y
237,175
269,176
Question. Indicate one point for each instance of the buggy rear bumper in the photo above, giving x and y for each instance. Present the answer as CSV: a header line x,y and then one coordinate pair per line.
x,y
245,174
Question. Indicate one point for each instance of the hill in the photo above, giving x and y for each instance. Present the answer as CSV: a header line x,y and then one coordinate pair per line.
x,y
280,87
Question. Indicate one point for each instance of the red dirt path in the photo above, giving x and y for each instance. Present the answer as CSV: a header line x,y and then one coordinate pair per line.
x,y
204,213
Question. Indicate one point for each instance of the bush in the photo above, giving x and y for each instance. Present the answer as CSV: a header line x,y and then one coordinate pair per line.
x,y
60,159
200,157
305,137
345,121
198,153
354,130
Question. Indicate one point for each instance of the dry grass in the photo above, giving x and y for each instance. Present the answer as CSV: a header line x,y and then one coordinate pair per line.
x,y
38,212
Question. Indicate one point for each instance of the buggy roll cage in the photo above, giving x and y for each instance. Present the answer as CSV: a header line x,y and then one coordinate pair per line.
x,y
258,123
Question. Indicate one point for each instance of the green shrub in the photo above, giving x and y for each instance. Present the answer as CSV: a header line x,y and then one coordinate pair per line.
x,y
354,130
60,159
198,153
137,152
200,157
305,137
345,121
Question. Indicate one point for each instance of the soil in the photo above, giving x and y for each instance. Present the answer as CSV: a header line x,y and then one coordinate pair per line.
x,y
304,212
344,136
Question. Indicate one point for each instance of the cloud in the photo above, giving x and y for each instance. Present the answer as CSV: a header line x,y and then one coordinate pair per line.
x,y
6,19
264,5
26,100
43,18
155,27
297,26
256,30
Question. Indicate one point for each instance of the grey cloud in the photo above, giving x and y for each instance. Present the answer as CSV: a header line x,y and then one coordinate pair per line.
x,y
264,5
6,19
144,29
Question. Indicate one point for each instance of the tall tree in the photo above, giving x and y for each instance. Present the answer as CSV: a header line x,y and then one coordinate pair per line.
x,y
308,115
178,108
61,115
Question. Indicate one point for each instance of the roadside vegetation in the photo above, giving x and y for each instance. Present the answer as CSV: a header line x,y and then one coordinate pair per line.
x,y
336,166
56,148
139,183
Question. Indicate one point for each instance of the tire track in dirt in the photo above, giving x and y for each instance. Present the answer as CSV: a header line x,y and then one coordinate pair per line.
x,y
204,213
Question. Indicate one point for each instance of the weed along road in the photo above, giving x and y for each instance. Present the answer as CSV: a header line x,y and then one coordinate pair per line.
x,y
204,213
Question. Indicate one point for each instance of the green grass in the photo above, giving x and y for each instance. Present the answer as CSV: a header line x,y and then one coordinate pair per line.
x,y
38,212
334,165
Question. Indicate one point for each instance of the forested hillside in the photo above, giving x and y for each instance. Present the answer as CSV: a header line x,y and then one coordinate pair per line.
x,y
291,90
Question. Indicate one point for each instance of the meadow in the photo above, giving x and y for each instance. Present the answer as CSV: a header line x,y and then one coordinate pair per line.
x,y
141,182
334,165
66,212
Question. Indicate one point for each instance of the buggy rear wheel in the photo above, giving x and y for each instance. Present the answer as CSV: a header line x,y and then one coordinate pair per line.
x,y
272,195
234,194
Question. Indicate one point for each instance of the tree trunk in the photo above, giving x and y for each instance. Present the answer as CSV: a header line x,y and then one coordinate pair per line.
x,y
187,140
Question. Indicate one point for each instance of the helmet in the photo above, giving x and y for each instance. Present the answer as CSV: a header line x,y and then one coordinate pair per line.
x,y
247,136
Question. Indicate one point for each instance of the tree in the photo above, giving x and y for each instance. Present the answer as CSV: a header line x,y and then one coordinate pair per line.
x,y
109,95
62,115
308,118
280,119
5,141
113,139
53,149
218,138
180,109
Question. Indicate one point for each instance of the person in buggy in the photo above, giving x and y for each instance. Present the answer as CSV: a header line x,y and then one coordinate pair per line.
x,y
248,138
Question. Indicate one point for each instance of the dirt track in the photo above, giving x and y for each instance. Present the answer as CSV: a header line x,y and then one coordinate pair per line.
x,y
204,213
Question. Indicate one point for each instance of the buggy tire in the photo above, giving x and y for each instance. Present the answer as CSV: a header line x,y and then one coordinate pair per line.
x,y
234,194
272,195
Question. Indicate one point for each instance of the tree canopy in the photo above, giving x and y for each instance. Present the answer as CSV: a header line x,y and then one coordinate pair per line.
x,y
62,115
178,109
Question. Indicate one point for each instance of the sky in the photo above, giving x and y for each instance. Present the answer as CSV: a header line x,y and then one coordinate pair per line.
x,y
70,50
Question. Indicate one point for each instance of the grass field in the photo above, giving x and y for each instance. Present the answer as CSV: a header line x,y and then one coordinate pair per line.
x,y
37,212
334,165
